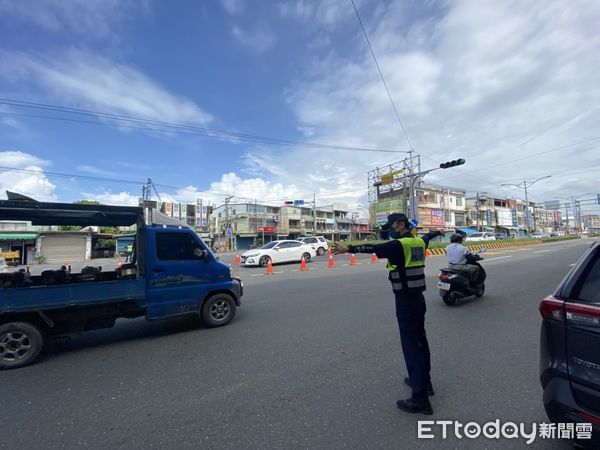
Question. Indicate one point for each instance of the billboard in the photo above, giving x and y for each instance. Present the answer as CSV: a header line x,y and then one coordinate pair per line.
x,y
183,210
515,217
504,216
488,217
384,208
437,217
424,216
169,209
176,210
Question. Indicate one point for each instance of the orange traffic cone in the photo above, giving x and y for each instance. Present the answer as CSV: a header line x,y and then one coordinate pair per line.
x,y
329,253
331,263
238,260
353,260
427,252
119,263
373,258
269,268
303,264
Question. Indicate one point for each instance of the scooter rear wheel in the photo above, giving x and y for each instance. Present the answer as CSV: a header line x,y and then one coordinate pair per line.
x,y
449,299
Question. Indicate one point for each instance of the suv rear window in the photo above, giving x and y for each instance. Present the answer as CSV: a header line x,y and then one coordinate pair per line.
x,y
590,289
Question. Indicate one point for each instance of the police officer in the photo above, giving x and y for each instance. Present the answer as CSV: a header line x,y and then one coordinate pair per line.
x,y
406,263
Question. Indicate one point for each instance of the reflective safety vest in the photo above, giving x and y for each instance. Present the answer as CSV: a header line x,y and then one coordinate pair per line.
x,y
130,249
411,277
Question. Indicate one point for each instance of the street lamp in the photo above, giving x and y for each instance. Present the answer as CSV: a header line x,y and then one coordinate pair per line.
x,y
576,213
525,185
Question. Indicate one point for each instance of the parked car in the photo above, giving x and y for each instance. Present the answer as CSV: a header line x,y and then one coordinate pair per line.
x,y
501,236
278,252
319,243
539,235
475,237
570,345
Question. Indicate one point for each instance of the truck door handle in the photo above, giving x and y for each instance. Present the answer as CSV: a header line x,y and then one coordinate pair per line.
x,y
158,269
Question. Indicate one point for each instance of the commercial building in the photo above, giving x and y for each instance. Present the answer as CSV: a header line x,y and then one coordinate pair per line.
x,y
438,206
243,225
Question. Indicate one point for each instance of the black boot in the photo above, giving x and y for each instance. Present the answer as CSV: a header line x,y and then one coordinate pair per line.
x,y
429,386
411,406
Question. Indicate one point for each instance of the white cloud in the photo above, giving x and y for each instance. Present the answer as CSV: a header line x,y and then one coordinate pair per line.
x,y
110,198
95,170
87,18
258,40
325,13
84,80
32,183
487,81
234,7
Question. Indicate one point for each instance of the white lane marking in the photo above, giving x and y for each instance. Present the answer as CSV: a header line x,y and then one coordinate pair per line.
x,y
257,275
294,270
278,272
499,257
542,251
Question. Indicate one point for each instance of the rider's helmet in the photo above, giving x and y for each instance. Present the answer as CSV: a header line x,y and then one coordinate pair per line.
x,y
456,238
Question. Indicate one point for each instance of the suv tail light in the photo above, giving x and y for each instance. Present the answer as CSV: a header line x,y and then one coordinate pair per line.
x,y
585,315
551,308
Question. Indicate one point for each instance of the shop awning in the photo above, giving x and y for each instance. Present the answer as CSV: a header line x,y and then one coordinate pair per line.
x,y
17,236
467,231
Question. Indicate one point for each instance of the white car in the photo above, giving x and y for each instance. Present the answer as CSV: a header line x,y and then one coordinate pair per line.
x,y
319,243
475,237
278,252
539,235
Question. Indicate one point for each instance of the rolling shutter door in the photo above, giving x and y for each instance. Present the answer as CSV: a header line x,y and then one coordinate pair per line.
x,y
61,249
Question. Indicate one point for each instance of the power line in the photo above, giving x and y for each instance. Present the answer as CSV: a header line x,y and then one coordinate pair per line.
x,y
382,77
170,127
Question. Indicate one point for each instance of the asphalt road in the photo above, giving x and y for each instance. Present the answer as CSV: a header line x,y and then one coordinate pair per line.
x,y
312,360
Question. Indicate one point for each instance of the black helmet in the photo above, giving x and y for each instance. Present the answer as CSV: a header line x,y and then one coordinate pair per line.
x,y
393,218
456,238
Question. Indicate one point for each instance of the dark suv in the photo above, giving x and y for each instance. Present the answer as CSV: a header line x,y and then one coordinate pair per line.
x,y
570,345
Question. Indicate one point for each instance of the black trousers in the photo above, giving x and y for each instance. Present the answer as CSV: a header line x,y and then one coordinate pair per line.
x,y
410,312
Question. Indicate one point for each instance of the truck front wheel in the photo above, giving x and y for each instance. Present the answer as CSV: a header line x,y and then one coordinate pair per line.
x,y
20,344
218,310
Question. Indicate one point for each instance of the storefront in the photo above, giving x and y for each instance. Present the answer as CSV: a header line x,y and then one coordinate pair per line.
x,y
23,243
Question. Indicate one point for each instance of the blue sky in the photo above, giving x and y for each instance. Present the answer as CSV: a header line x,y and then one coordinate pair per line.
x,y
486,81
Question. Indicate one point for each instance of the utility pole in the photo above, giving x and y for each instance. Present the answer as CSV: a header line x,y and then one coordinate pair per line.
x,y
314,205
227,239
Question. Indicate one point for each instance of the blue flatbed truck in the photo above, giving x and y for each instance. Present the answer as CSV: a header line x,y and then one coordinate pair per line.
x,y
172,273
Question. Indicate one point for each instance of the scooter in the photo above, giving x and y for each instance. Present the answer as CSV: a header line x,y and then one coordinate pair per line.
x,y
455,284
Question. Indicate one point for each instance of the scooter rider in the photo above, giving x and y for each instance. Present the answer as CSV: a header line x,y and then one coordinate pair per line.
x,y
459,256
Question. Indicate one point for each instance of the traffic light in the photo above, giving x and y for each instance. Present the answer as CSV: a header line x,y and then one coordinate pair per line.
x,y
454,162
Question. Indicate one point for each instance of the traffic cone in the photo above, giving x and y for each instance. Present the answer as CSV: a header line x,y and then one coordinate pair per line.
x,y
303,264
427,252
269,268
373,258
238,260
329,253
331,263
353,260
119,263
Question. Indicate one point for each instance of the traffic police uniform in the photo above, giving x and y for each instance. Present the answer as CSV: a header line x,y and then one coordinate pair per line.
x,y
406,263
